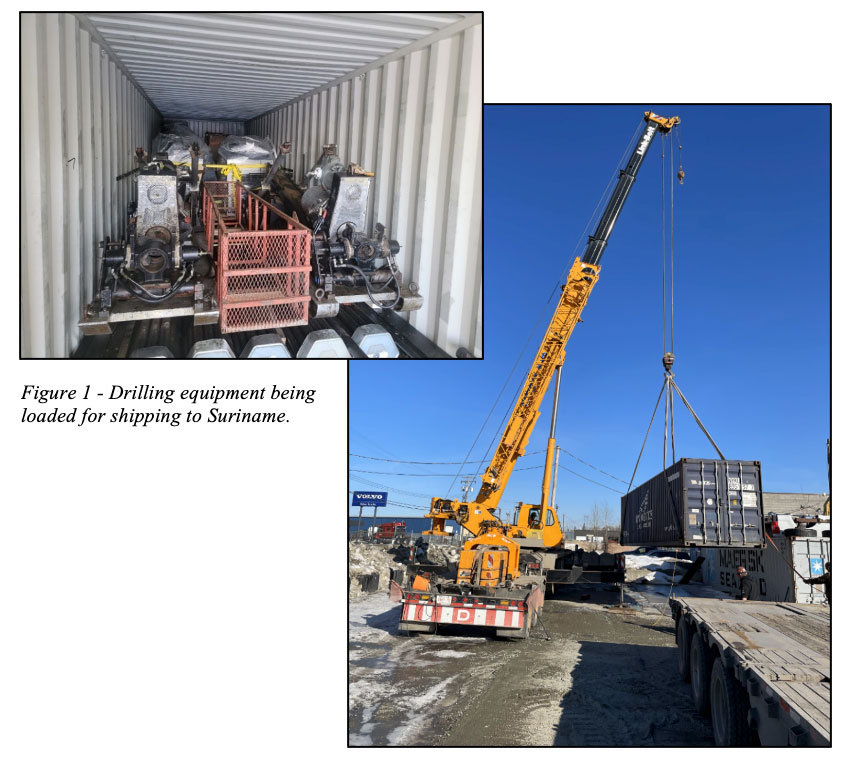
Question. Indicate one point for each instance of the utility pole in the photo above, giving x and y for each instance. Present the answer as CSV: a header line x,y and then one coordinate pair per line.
x,y
467,483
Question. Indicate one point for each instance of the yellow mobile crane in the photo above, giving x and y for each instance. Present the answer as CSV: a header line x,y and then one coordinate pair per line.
x,y
504,569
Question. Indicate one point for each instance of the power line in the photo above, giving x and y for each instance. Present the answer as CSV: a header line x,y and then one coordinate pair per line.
x,y
404,473
397,503
371,483
427,463
456,463
593,467
560,465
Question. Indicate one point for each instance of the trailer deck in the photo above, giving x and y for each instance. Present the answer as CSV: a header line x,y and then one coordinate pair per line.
x,y
780,655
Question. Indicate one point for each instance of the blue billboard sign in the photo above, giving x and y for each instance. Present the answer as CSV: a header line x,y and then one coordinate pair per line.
x,y
373,499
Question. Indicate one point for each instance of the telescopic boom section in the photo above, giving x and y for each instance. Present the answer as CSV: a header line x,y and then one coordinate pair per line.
x,y
599,239
550,355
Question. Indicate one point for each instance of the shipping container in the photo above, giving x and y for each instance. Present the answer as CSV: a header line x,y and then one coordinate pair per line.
x,y
400,94
696,502
792,552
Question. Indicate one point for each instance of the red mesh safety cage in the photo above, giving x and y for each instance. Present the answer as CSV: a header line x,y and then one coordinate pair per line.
x,y
263,274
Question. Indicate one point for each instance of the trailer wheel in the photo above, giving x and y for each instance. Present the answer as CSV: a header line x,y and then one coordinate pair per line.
x,y
683,654
699,673
729,706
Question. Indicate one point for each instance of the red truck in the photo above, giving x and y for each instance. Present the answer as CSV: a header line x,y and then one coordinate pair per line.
x,y
390,531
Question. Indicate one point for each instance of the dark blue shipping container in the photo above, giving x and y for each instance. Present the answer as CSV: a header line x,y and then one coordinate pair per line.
x,y
696,502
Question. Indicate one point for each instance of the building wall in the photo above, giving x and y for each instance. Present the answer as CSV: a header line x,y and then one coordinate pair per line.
x,y
793,502
416,121
81,118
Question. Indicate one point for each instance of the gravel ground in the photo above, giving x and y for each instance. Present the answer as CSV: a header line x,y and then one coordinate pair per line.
x,y
607,677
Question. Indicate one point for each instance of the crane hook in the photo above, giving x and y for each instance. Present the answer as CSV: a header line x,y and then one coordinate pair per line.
x,y
681,175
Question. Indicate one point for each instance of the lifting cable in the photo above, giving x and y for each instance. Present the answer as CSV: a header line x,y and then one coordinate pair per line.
x,y
669,382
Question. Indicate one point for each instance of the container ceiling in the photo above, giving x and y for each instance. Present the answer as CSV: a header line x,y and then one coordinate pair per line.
x,y
240,65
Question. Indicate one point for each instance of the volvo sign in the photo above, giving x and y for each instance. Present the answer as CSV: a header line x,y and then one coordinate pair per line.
x,y
375,499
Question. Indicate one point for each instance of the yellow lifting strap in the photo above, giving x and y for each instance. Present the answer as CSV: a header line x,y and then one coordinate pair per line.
x,y
231,170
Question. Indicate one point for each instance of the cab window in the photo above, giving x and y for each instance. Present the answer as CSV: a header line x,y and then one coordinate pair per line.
x,y
550,518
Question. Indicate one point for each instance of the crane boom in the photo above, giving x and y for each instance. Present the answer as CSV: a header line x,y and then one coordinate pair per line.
x,y
579,283
549,356
583,275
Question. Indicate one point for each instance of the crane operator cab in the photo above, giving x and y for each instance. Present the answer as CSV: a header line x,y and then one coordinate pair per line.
x,y
527,518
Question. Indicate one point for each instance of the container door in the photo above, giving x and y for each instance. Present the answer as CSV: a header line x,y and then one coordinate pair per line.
x,y
811,554
740,491
702,506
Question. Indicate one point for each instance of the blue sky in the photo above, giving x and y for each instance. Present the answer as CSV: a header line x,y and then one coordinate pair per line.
x,y
752,314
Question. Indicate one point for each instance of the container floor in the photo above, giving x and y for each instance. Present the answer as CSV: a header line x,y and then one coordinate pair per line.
x,y
179,335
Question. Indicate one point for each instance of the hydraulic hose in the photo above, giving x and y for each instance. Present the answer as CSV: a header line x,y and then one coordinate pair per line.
x,y
361,273
143,294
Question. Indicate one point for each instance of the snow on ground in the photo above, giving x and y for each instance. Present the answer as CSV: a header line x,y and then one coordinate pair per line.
x,y
387,676
371,620
418,707
451,653
370,559
366,558
648,570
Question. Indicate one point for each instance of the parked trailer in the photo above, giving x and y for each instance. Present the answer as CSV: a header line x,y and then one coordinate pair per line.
x,y
762,670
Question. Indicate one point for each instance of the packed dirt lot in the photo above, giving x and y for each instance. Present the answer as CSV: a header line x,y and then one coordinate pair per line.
x,y
606,676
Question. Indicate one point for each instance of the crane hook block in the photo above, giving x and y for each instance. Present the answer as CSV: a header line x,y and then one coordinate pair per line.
x,y
681,176
667,360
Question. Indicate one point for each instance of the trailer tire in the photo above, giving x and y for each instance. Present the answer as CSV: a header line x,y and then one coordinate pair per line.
x,y
729,706
700,673
683,652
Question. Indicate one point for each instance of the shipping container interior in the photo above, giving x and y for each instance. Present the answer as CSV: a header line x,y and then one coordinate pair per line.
x,y
399,93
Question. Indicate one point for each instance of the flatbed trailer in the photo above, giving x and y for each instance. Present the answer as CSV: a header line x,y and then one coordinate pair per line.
x,y
760,669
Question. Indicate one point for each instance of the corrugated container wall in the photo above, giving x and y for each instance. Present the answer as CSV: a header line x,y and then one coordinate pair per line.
x,y
81,118
415,120
200,126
